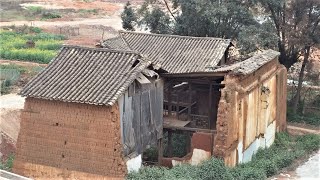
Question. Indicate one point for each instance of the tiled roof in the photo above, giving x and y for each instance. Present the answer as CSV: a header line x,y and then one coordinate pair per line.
x,y
175,54
86,75
116,43
250,65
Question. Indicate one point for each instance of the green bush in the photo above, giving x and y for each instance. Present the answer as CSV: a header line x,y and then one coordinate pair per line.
x,y
185,171
309,142
50,15
5,86
248,173
151,154
265,163
35,29
7,165
284,159
214,169
268,165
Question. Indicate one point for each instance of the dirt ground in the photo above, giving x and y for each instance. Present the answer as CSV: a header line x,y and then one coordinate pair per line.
x,y
77,23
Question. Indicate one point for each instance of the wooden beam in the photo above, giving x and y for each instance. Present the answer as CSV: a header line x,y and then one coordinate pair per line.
x,y
160,150
203,74
175,128
210,107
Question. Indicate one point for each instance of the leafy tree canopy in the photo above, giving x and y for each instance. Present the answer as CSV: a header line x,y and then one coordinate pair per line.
x,y
128,17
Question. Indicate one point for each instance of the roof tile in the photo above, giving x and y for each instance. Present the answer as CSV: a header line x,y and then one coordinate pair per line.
x,y
86,75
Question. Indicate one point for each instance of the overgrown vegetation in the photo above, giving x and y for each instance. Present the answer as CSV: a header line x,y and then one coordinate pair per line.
x,y
14,45
7,165
265,163
307,118
43,13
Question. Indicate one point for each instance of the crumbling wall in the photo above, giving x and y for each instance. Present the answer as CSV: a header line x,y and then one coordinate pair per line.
x,y
69,141
251,109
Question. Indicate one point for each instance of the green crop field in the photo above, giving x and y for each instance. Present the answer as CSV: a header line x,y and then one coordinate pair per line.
x,y
13,45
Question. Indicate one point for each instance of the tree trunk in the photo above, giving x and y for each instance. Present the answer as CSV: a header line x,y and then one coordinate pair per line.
x,y
301,75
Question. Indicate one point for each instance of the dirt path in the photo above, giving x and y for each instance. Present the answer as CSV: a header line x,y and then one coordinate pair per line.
x,y
295,130
22,63
113,21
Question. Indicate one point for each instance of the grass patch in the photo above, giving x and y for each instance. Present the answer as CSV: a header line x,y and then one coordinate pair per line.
x,y
265,163
21,69
13,45
7,165
307,118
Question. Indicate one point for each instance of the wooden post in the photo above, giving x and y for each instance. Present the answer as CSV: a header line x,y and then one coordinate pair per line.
x,y
190,101
170,143
177,106
169,99
160,150
210,106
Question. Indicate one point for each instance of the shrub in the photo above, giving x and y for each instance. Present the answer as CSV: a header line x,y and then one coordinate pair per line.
x,y
35,29
185,171
248,173
309,142
7,165
214,169
265,163
50,15
284,159
5,86
268,165
151,154
148,173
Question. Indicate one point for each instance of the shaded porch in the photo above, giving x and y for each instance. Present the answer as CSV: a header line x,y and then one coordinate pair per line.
x,y
189,111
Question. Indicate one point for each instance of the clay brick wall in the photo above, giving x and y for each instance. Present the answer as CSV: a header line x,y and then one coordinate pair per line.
x,y
240,106
69,140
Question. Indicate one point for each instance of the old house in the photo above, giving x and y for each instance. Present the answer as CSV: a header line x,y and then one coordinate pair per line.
x,y
81,111
94,111
222,109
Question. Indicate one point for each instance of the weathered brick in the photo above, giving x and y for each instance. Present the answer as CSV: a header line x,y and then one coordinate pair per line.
x,y
69,140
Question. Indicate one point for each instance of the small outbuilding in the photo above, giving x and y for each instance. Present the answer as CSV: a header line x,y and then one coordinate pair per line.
x,y
88,113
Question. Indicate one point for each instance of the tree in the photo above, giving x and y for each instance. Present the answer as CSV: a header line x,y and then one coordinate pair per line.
x,y
290,18
128,17
308,15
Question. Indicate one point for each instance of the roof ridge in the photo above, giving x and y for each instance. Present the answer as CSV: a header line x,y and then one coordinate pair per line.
x,y
174,36
101,49
123,40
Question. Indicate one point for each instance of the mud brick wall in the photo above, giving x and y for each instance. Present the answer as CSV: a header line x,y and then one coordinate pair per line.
x,y
69,140
233,108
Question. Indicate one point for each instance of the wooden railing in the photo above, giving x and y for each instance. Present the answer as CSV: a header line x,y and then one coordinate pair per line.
x,y
199,121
